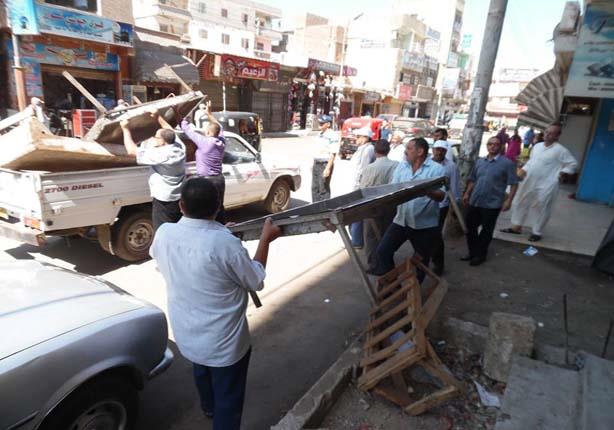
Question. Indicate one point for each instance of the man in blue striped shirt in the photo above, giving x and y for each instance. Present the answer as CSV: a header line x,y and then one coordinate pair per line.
x,y
416,220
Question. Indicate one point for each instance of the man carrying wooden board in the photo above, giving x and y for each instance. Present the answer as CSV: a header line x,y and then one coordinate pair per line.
x,y
165,155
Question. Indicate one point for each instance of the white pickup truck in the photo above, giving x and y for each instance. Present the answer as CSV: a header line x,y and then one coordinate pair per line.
x,y
114,206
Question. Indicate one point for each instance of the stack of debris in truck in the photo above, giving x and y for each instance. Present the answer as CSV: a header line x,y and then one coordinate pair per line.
x,y
26,143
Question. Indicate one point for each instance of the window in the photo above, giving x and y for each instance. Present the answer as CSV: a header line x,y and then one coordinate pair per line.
x,y
245,43
235,152
203,33
202,7
164,28
225,39
260,46
86,5
224,13
245,18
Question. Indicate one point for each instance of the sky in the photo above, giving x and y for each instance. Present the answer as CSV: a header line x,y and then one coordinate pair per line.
x,y
525,42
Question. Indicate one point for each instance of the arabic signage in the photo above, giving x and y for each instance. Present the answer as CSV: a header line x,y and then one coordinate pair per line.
x,y
72,57
452,60
371,97
414,61
22,16
237,67
326,67
33,77
81,26
592,70
404,92
369,44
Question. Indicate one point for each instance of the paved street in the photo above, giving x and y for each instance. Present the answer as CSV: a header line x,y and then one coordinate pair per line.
x,y
312,304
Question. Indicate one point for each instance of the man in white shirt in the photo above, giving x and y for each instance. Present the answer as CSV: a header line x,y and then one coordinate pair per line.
x,y
364,155
440,149
208,274
324,161
397,149
538,191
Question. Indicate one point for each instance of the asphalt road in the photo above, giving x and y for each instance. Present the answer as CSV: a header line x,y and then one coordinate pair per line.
x,y
312,304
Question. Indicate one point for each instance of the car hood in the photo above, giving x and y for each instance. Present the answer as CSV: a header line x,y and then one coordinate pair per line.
x,y
40,302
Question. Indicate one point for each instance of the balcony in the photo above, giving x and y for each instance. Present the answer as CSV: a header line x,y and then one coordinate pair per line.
x,y
172,10
268,33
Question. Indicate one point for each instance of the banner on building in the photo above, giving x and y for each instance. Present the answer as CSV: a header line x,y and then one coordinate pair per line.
x,y
414,61
324,66
450,81
349,71
371,97
233,67
404,92
592,70
67,23
72,57
22,17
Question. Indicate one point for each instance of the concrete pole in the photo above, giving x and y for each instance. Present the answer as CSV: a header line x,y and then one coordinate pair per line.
x,y
19,74
472,134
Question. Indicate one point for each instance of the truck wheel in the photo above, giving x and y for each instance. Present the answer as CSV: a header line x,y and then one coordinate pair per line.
x,y
108,403
132,236
278,199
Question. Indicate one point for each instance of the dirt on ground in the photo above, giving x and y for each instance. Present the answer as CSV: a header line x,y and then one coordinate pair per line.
x,y
510,282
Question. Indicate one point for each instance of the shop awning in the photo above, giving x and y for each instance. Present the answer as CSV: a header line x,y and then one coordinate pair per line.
x,y
543,97
152,54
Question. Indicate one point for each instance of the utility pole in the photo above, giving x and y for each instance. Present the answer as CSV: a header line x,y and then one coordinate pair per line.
x,y
472,134
19,74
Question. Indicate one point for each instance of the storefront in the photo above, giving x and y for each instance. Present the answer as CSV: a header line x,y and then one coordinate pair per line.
x,y
93,49
153,50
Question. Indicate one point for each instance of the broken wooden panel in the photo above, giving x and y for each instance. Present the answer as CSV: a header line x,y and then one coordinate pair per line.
x,y
140,122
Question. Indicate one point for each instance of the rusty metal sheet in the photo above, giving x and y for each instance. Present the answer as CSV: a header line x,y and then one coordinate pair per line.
x,y
342,210
142,125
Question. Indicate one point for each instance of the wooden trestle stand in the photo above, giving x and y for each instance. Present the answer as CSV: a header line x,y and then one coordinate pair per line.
x,y
401,313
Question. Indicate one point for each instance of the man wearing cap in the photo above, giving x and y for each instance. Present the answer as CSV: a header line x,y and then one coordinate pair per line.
x,y
440,149
364,155
324,161
441,134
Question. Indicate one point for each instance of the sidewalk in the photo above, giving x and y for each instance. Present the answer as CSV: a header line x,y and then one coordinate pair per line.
x,y
575,226
289,133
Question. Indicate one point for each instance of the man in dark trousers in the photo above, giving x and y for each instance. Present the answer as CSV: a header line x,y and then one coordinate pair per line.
x,y
416,220
208,274
485,198
209,154
166,157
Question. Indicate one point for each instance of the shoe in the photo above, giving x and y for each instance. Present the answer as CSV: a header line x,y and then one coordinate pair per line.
x,y
534,238
466,258
476,261
438,270
509,230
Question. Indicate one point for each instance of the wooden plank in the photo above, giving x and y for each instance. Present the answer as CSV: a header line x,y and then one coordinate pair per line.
x,y
136,100
17,118
181,81
431,400
392,298
399,362
457,211
385,334
387,289
432,304
388,315
85,92
394,395
388,351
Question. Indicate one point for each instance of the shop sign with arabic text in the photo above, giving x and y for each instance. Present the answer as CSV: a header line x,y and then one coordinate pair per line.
x,y
247,68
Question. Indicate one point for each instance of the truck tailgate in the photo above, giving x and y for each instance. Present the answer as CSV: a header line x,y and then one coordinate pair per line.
x,y
19,194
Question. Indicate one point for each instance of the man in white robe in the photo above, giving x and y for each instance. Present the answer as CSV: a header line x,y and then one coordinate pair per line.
x,y
537,192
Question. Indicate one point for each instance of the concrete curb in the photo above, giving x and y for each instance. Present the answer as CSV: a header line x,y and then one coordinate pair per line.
x,y
311,409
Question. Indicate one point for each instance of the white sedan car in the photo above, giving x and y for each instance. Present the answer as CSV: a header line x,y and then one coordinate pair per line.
x,y
248,178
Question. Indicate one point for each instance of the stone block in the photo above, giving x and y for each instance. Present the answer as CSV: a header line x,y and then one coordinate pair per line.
x,y
465,335
508,335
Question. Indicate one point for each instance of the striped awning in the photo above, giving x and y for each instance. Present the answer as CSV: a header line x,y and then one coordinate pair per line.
x,y
543,97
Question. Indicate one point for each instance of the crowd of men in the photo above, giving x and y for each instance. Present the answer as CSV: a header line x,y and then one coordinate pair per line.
x,y
492,187
209,273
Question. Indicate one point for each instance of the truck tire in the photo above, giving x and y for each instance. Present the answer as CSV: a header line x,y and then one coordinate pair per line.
x,y
132,236
106,402
278,199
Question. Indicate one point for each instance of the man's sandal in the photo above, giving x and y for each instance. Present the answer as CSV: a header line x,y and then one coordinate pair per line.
x,y
509,230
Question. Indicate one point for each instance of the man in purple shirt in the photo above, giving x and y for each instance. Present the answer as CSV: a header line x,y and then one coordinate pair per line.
x,y
209,154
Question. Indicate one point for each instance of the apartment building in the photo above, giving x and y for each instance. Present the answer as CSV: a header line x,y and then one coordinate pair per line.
x,y
391,58
313,36
237,27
